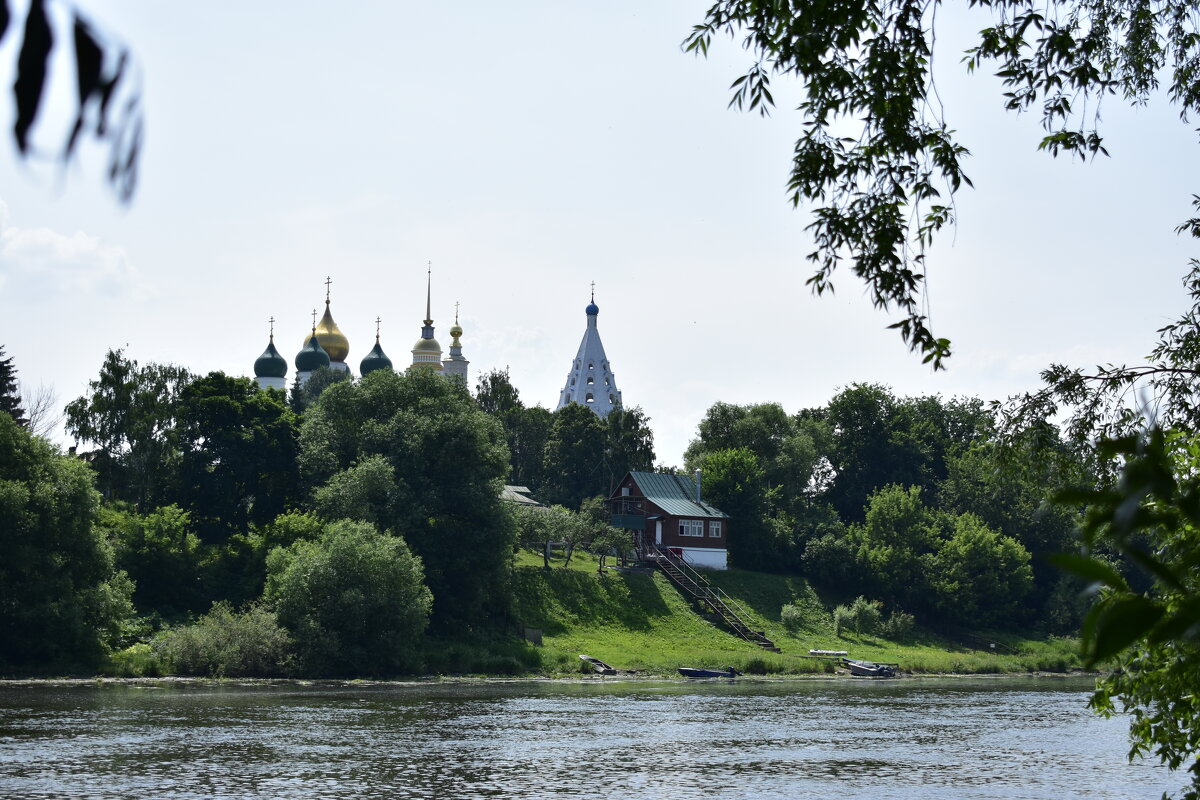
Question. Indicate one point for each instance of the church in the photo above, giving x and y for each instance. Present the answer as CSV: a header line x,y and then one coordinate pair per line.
x,y
327,346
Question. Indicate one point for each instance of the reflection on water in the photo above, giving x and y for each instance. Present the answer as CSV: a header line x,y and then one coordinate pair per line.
x,y
952,738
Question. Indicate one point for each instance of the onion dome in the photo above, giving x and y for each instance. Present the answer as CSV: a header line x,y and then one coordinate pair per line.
x,y
375,359
455,330
332,340
270,364
313,356
593,309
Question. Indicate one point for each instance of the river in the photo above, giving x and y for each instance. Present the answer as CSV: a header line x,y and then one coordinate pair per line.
x,y
958,738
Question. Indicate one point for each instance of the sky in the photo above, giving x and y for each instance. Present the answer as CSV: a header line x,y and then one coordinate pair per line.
x,y
525,150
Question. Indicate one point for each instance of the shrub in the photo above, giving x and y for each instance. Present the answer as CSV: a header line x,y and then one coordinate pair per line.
x,y
792,617
355,600
223,643
865,615
841,619
136,661
898,625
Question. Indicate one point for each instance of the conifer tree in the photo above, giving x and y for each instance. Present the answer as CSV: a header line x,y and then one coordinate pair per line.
x,y
10,393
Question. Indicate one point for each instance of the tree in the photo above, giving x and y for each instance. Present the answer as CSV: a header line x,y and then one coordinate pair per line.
x,y
62,603
1150,515
574,461
734,482
354,601
239,449
448,461
885,188
10,395
981,577
495,393
302,396
130,415
43,413
162,555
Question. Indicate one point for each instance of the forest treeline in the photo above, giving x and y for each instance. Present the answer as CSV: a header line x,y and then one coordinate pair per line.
x,y
340,529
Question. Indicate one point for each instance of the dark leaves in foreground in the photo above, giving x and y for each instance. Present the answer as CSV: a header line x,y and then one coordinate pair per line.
x,y
101,69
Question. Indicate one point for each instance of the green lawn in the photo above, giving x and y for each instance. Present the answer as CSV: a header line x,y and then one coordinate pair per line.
x,y
639,621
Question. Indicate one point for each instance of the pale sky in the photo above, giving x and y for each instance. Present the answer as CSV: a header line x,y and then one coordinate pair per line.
x,y
527,149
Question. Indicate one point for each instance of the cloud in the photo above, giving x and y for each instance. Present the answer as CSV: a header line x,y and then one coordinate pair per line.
x,y
43,265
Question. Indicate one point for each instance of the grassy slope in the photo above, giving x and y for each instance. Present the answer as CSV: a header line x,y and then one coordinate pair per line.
x,y
640,621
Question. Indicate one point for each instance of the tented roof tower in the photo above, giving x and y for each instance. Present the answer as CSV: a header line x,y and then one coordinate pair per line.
x,y
591,381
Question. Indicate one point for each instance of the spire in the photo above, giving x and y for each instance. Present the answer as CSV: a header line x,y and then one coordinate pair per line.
x,y
427,352
428,292
456,364
590,381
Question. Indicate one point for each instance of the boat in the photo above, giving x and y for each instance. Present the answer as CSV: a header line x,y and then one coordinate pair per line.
x,y
869,669
598,665
693,672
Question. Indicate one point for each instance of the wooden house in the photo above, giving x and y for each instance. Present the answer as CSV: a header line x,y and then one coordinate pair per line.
x,y
667,511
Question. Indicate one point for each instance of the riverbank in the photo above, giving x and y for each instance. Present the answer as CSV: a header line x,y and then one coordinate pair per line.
x,y
639,621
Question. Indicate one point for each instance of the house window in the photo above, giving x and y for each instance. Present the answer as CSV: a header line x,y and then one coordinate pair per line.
x,y
714,529
691,527
624,491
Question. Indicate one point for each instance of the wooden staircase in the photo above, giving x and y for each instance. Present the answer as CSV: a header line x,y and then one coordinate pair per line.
x,y
706,596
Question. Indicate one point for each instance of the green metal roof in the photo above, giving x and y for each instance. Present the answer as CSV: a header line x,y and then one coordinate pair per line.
x,y
674,494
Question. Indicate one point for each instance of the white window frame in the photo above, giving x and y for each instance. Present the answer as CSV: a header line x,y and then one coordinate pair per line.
x,y
714,529
691,528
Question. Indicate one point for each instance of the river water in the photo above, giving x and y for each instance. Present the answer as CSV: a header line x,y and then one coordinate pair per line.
x,y
909,738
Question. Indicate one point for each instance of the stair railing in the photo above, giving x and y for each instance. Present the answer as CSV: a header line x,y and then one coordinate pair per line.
x,y
710,592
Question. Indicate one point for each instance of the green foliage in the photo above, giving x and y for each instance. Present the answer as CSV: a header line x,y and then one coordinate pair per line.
x,y
1152,517
447,459
981,577
574,464
10,390
898,625
61,601
792,617
238,464
883,187
841,619
864,615
130,416
354,600
226,644
162,555
364,491
301,397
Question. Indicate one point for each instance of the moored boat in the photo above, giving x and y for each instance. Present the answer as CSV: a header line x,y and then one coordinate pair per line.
x,y
693,672
869,669
598,665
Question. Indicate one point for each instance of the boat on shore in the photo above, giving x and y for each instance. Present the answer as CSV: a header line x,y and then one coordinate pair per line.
x,y
694,672
869,669
598,665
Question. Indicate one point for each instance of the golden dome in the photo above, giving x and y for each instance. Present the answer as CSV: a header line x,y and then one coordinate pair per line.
x,y
427,346
332,340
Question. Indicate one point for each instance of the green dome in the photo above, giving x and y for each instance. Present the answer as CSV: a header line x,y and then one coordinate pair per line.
x,y
270,364
374,360
312,357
